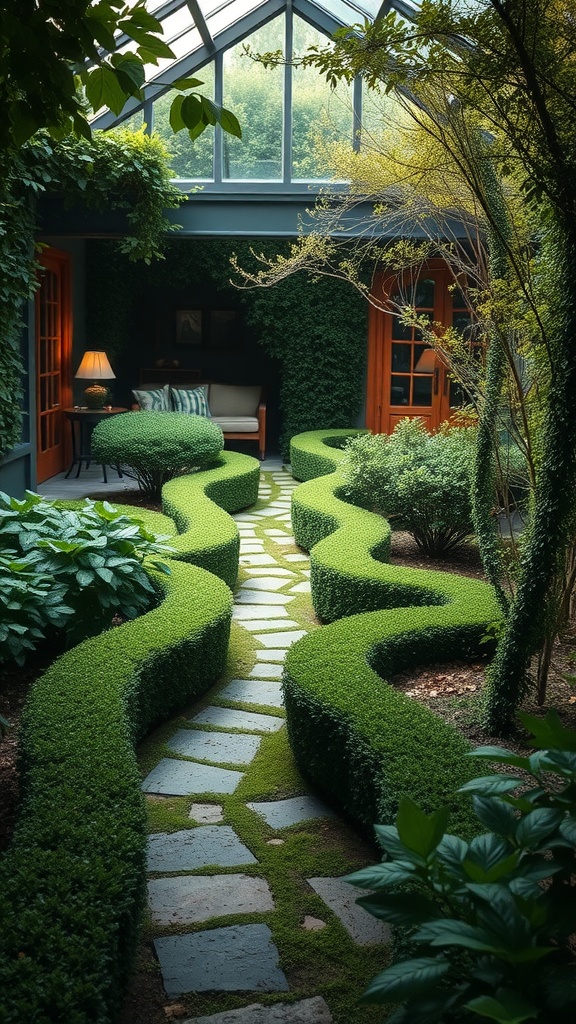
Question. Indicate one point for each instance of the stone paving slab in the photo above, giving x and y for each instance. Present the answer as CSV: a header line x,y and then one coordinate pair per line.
x,y
301,588
269,623
270,655
259,611
200,847
266,513
257,560
206,814
307,1011
264,583
264,671
249,595
282,813
341,897
281,639
285,540
300,557
190,899
221,747
275,533
185,778
240,958
251,549
265,572
230,718
245,517
253,691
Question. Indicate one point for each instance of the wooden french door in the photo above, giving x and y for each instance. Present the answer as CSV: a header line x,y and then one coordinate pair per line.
x,y
405,376
53,349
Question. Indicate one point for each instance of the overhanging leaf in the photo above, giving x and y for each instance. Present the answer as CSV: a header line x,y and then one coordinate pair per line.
x,y
405,980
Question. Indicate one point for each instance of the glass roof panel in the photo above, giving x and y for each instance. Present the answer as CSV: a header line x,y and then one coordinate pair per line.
x,y
225,16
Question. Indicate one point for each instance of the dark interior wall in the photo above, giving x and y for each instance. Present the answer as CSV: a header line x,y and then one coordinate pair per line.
x,y
304,341
132,310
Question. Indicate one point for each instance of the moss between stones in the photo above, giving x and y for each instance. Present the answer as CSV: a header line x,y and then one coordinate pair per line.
x,y
72,882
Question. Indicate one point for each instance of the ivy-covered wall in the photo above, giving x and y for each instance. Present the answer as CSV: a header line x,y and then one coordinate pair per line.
x,y
304,340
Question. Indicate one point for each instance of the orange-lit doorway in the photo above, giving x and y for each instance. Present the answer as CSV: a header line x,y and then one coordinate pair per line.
x,y
53,353
405,376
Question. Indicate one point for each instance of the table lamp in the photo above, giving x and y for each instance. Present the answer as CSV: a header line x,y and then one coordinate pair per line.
x,y
95,367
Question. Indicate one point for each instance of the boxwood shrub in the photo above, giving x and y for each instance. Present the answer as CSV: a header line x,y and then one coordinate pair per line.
x,y
316,452
153,446
72,882
360,741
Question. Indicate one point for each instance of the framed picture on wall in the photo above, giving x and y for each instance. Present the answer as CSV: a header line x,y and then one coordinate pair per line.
x,y
188,327
225,328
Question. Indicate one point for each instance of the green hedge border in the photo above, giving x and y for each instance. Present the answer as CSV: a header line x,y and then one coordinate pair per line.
x,y
363,743
72,883
317,452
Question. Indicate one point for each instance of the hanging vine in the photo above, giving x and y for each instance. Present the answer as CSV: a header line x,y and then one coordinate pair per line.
x,y
119,170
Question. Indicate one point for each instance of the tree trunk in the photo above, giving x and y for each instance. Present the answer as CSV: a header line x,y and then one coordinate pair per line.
x,y
554,499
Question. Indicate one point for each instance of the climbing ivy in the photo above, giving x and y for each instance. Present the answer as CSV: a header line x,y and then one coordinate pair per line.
x,y
118,171
315,328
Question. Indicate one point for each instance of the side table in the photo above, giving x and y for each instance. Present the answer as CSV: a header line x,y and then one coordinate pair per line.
x,y
82,422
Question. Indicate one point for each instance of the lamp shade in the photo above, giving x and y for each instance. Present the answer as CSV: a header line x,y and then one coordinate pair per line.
x,y
95,366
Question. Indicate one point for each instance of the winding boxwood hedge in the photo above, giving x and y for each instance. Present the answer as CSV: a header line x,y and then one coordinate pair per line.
x,y
316,452
72,882
363,743
199,507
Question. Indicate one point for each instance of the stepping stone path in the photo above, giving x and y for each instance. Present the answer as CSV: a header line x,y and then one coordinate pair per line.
x,y
209,759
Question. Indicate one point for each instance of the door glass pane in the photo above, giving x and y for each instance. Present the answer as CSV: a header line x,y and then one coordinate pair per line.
x,y
424,359
401,358
422,390
458,396
400,330
424,294
461,323
399,390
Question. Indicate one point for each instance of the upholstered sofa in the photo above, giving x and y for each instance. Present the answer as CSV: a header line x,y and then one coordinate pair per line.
x,y
237,408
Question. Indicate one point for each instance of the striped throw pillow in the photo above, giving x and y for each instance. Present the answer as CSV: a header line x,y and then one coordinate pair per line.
x,y
155,400
193,401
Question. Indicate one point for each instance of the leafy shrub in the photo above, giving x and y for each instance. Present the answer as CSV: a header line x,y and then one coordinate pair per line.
x,y
72,568
494,917
421,480
157,446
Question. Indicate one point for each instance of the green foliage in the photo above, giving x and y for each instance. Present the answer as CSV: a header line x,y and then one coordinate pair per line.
x,y
420,480
73,568
308,455
60,62
373,736
207,535
157,446
494,918
72,883
117,171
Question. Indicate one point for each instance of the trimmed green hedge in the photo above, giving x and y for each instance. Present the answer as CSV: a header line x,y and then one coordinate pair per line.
x,y
363,743
316,452
199,507
72,882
